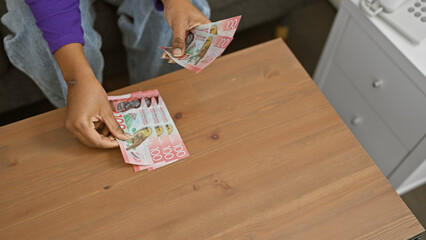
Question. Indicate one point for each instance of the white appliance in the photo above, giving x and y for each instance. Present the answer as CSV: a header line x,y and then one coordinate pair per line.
x,y
407,16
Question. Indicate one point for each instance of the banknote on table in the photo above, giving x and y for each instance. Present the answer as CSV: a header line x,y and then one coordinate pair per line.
x,y
155,140
205,43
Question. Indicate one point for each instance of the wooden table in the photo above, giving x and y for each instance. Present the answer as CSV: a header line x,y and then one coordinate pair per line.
x,y
270,159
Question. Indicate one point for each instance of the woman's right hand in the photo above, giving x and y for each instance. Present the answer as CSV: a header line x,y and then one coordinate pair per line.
x,y
89,114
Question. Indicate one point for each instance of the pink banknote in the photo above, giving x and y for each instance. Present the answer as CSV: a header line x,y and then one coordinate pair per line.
x,y
226,27
155,140
202,51
205,43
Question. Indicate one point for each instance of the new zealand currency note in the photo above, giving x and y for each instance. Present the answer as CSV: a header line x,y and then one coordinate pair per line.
x,y
226,27
155,141
168,146
202,51
205,43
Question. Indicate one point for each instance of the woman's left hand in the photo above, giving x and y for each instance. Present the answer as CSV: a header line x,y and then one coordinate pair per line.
x,y
182,16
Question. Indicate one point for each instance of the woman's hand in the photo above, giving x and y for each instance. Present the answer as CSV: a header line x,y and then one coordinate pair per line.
x,y
182,16
89,114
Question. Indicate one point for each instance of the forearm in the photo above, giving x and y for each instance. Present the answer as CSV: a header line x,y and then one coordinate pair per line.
x,y
73,64
89,115
168,2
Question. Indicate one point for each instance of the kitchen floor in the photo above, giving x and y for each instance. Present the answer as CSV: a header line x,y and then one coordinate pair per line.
x,y
305,31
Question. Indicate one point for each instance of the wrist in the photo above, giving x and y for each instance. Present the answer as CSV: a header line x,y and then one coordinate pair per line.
x,y
78,81
73,64
168,2
165,2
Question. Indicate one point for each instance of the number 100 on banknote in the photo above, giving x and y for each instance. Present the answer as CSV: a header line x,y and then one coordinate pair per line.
x,y
155,140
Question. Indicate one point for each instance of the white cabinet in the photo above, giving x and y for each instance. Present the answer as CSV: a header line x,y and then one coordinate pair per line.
x,y
365,124
376,81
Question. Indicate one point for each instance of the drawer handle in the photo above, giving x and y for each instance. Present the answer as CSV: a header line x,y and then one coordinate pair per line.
x,y
378,83
356,121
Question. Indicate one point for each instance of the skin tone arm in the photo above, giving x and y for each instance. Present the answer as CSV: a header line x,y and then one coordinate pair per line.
x,y
89,115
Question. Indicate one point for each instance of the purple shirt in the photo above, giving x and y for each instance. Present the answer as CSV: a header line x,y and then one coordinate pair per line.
x,y
60,21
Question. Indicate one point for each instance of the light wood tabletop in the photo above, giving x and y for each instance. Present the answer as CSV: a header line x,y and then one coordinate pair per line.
x,y
269,159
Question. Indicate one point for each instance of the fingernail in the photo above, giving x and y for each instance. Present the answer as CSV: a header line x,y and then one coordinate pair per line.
x,y
177,52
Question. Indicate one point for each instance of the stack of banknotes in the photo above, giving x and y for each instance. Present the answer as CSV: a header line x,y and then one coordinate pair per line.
x,y
205,43
155,140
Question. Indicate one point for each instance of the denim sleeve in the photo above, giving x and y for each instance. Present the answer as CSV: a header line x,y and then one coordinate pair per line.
x,y
59,21
158,5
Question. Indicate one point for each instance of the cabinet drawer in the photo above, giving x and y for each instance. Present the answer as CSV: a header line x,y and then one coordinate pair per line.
x,y
397,100
383,147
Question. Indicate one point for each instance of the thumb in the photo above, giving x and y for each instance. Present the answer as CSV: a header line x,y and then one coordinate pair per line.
x,y
178,45
114,128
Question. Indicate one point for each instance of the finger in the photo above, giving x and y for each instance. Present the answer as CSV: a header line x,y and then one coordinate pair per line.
x,y
74,127
200,21
203,20
178,44
105,131
91,138
98,140
98,125
167,58
82,139
113,127
164,56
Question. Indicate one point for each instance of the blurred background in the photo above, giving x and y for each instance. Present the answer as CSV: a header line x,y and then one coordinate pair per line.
x,y
303,24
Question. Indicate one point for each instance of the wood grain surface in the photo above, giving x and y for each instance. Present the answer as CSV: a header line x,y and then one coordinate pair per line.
x,y
270,159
